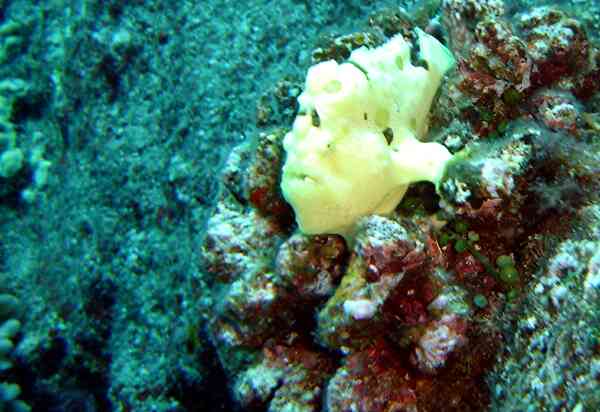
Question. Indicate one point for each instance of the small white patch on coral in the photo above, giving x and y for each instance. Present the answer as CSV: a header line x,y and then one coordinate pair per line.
x,y
592,280
558,295
360,309
439,340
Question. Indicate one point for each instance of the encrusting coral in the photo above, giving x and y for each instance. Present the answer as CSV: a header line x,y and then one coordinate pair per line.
x,y
410,313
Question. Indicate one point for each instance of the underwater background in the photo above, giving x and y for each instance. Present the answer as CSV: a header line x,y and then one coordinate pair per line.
x,y
149,262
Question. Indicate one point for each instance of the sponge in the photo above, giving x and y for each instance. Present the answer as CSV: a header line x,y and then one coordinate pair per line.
x,y
354,146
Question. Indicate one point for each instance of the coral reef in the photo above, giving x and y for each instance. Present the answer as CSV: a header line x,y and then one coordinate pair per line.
x,y
412,314
9,328
157,266
506,66
371,380
23,170
552,360
288,377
